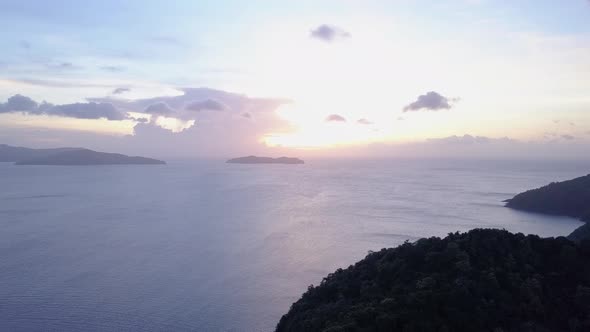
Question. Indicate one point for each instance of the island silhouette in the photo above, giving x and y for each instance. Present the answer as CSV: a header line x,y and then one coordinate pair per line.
x,y
568,198
69,156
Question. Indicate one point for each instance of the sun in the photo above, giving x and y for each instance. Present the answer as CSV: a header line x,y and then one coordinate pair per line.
x,y
312,129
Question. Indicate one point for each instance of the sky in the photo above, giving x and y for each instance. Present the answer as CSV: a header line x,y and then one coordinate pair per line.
x,y
365,78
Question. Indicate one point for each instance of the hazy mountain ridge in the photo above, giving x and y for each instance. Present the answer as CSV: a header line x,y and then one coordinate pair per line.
x,y
69,156
14,153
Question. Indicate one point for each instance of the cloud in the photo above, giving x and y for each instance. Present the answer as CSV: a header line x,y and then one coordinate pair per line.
x,y
140,120
471,147
177,134
159,109
191,105
18,103
88,111
62,66
112,69
568,137
364,122
328,33
166,40
119,91
232,101
206,105
335,118
549,135
431,101
465,139
59,83
92,110
470,140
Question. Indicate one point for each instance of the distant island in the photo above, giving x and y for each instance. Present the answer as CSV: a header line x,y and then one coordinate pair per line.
x,y
265,160
14,153
568,198
69,156
482,280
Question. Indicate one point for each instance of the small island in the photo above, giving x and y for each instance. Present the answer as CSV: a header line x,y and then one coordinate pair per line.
x,y
69,156
265,160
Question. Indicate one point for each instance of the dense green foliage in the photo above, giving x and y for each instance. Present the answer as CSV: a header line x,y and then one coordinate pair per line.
x,y
483,280
568,198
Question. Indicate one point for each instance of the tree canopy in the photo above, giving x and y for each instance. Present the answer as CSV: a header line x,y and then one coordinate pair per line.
x,y
567,198
482,280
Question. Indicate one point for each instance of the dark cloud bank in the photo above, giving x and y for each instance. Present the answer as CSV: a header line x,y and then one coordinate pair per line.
x,y
160,108
187,106
91,110
431,101
206,105
119,91
225,124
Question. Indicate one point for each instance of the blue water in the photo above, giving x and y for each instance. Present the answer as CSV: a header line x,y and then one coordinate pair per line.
x,y
210,246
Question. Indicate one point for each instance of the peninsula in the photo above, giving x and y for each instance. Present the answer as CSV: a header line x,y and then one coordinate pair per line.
x,y
482,280
568,198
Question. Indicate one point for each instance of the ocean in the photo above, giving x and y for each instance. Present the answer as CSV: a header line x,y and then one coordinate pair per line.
x,y
209,246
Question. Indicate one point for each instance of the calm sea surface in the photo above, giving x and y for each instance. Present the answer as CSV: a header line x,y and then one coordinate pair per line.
x,y
209,246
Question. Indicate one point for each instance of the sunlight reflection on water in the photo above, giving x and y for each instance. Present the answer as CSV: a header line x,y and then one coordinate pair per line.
x,y
211,246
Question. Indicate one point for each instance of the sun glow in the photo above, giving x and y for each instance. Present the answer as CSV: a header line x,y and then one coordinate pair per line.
x,y
173,124
312,130
100,126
